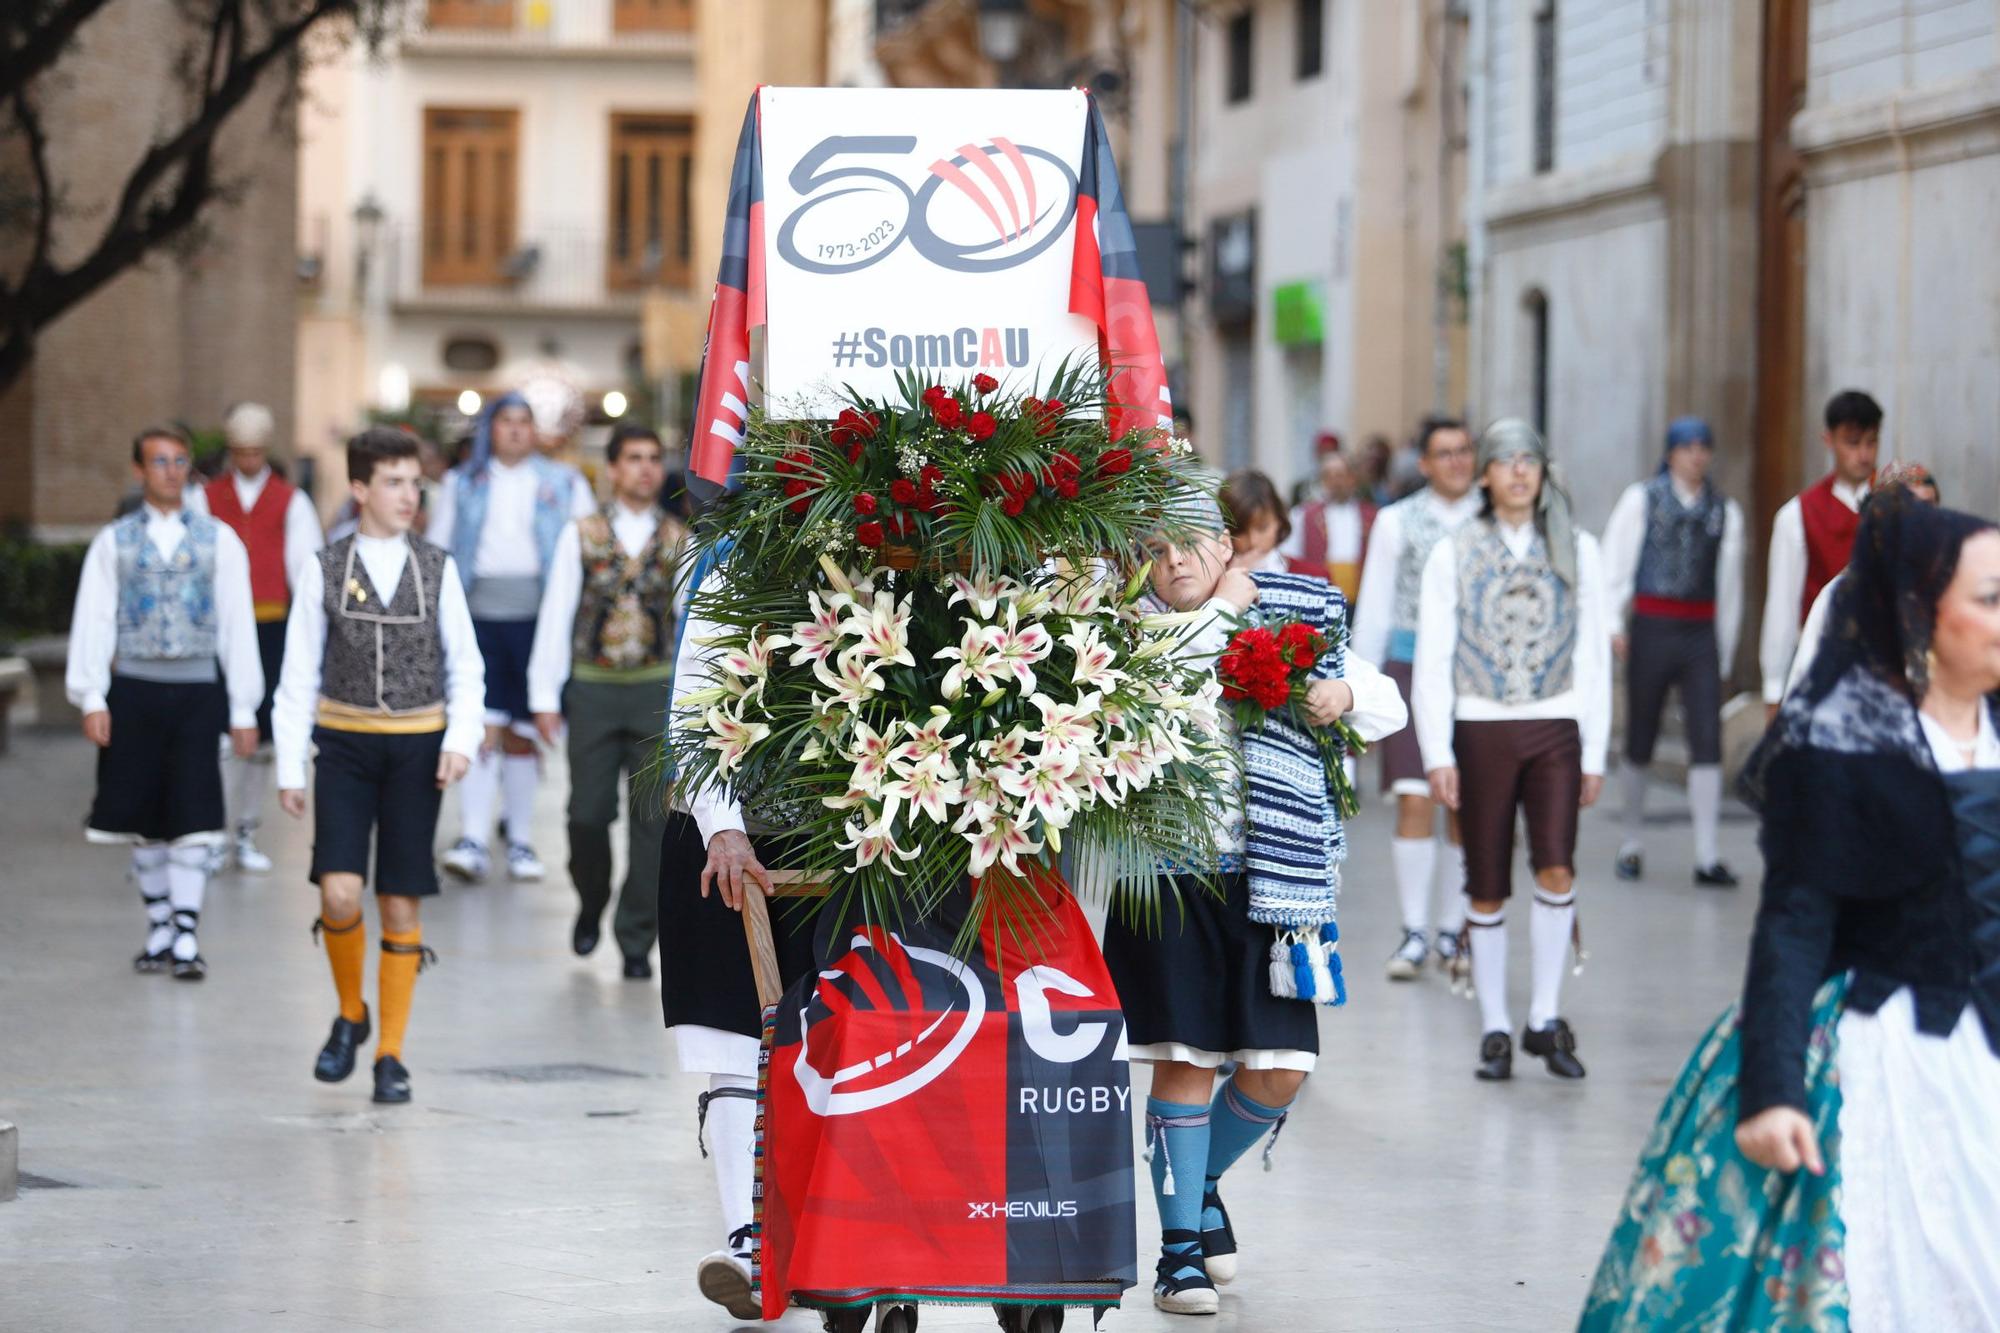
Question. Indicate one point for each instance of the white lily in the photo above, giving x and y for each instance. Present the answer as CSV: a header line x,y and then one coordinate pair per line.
x,y
928,787
1017,647
1094,778
817,639
875,842
928,741
883,629
998,839
1067,727
981,785
1079,597
1093,658
732,738
750,661
869,751
981,593
1043,788
856,682
1001,751
972,662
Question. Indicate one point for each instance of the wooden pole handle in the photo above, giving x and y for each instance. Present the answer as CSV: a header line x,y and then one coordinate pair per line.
x,y
757,929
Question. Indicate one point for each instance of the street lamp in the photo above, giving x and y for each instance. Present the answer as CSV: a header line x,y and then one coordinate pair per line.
x,y
1003,31
367,225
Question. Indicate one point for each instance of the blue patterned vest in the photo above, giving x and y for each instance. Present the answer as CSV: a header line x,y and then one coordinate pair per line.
x,y
1517,621
166,606
1682,543
1422,517
553,498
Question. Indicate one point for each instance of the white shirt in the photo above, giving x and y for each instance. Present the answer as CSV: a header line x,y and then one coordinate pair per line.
x,y
302,534
712,808
1343,532
507,546
1375,600
1785,588
1437,701
555,623
297,704
93,625
1950,758
1812,633
1625,538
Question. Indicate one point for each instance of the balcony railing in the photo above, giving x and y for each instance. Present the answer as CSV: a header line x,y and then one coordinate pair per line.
x,y
565,267
592,25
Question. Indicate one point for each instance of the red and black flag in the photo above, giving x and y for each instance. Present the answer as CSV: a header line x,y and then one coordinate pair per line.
x,y
722,397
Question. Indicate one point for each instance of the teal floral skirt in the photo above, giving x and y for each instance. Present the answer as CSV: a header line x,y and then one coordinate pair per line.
x,y
1708,1240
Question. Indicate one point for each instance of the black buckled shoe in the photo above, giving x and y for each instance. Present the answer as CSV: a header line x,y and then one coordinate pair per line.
x,y
1629,866
392,1081
1496,1057
588,930
638,968
1556,1046
1218,1247
336,1058
145,961
1717,876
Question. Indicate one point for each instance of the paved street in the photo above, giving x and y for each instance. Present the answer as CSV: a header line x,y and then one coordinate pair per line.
x,y
182,1170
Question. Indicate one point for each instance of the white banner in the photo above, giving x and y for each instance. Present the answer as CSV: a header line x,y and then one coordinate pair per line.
x,y
926,230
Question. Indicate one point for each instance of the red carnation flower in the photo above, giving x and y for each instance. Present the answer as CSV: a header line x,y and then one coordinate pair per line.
x,y
948,413
1013,505
796,486
903,491
869,534
839,435
985,383
982,426
854,451
864,504
1114,462
1067,488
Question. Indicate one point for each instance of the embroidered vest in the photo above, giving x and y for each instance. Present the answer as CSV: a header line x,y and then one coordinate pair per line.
x,y
166,605
1830,527
1424,526
553,498
1517,620
382,656
624,619
1682,543
262,528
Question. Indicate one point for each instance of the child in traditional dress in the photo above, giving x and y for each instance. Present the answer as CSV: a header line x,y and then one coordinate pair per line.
x,y
383,677
1199,993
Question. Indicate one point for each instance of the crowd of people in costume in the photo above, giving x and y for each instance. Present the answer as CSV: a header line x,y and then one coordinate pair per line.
x,y
1826,1155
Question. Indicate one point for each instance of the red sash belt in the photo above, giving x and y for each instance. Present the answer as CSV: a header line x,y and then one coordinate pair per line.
x,y
1672,608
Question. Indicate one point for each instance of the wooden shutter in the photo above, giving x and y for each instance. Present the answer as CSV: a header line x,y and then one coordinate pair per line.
x,y
652,163
470,160
478,15
652,15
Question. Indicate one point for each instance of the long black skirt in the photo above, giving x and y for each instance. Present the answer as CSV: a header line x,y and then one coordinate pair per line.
x,y
705,977
160,780
1198,988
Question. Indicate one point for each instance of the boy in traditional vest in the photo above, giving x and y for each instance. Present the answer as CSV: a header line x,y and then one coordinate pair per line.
x,y
1813,533
603,657
1385,631
164,594
1673,551
1513,709
279,529
499,514
383,678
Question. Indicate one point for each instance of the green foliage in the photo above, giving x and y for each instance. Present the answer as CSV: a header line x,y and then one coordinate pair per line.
x,y
37,586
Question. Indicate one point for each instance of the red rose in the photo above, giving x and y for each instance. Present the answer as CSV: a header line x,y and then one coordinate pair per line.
x,y
799,506
985,383
948,413
1013,505
854,451
1066,488
796,486
864,504
839,435
903,491
927,481
869,534
1114,462
933,396
982,426
1056,407
855,423
901,524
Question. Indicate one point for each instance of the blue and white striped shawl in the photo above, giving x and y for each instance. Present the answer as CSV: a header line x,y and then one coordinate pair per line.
x,y
1293,840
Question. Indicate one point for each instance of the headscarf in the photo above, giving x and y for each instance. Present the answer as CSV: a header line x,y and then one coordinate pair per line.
x,y
1684,431
1510,437
482,434
1878,635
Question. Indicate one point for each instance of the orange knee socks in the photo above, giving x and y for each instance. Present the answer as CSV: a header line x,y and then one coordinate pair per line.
x,y
346,953
402,956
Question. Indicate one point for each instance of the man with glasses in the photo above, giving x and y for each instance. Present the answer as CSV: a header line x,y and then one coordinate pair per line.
x,y
1673,553
164,594
1385,631
1513,710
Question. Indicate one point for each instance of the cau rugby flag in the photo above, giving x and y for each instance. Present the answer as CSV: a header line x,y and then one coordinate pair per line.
x,y
939,232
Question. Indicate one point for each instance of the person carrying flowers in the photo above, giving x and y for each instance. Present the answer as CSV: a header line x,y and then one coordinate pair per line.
x,y
1234,975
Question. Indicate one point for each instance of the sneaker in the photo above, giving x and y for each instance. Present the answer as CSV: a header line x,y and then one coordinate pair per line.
x,y
248,858
724,1277
1629,866
467,861
1182,1285
1556,1045
1218,1245
1408,960
523,864
1717,876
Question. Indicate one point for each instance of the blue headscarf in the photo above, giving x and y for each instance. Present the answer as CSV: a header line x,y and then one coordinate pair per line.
x,y
1684,431
482,434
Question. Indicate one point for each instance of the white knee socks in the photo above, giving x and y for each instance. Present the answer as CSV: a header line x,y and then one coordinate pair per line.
x,y
1635,806
187,880
477,791
243,785
1415,860
149,871
1549,926
1489,968
1705,799
520,774
1450,888
732,1146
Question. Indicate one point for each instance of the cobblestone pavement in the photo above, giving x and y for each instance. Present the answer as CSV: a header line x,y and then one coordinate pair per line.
x,y
182,1170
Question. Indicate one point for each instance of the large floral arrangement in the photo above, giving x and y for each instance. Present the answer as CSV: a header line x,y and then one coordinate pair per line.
x,y
931,663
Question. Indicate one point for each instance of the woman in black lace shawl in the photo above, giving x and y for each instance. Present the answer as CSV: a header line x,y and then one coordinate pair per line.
x,y
1829,1152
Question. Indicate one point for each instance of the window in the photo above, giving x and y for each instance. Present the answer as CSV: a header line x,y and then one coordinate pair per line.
x,y
470,159
652,15
1537,306
1240,34
479,15
1545,87
1311,37
651,214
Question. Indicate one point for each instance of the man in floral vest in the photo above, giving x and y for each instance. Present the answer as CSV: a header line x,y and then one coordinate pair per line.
x,y
499,515
602,659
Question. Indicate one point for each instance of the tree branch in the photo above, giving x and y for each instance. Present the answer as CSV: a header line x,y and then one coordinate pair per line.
x,y
38,162
43,45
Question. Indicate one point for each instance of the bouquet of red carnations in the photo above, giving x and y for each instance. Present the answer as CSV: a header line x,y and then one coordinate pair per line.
x,y
1267,669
